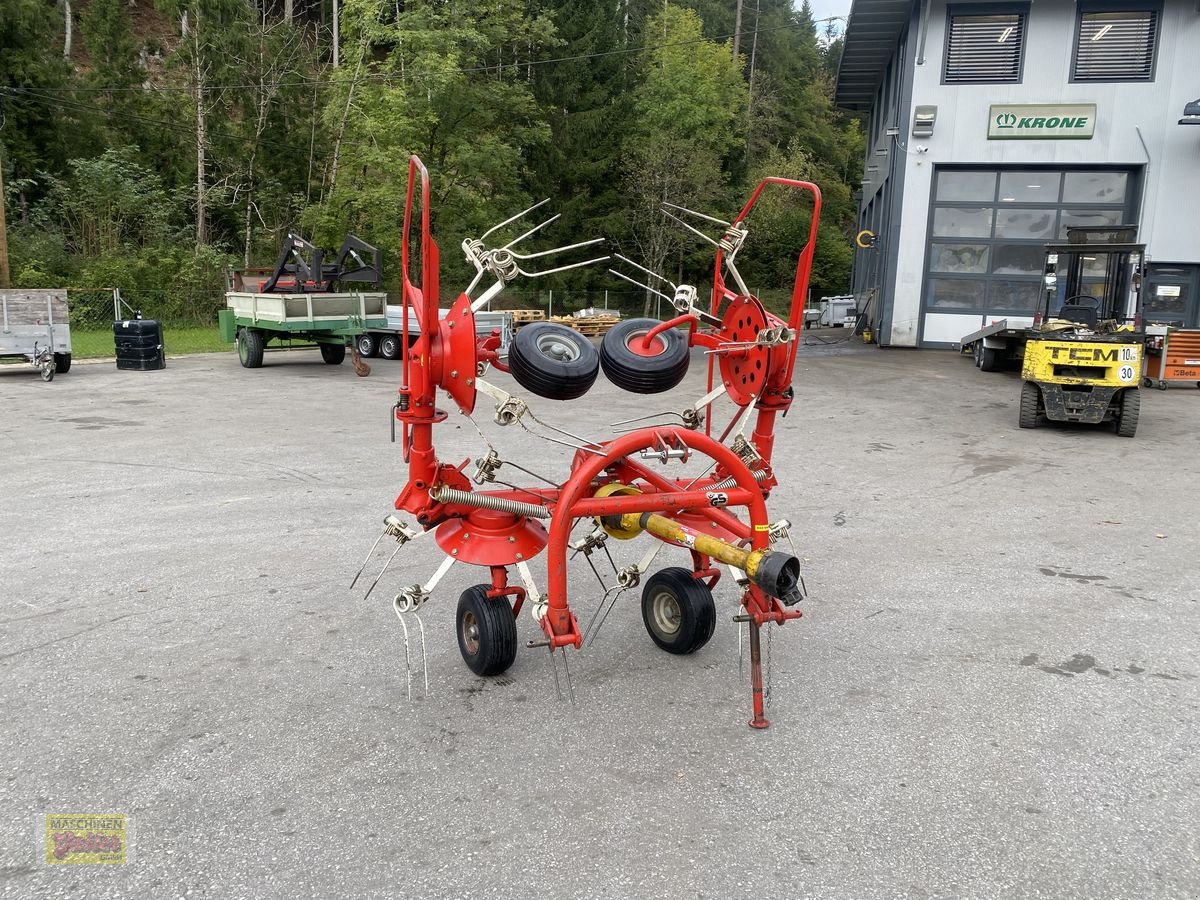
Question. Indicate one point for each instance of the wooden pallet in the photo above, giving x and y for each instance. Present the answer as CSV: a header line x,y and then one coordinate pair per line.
x,y
595,326
521,316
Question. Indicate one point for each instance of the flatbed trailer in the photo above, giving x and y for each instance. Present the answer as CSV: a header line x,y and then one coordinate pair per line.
x,y
325,320
388,340
34,327
998,345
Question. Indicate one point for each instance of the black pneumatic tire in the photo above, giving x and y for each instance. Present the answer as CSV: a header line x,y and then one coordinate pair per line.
x,y
553,361
250,346
678,611
639,374
389,346
1127,415
333,354
1030,397
487,631
367,345
62,363
990,359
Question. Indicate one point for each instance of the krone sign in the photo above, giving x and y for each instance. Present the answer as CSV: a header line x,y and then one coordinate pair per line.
x,y
1041,121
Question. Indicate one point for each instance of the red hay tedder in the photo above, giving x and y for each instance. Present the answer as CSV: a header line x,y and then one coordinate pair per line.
x,y
751,357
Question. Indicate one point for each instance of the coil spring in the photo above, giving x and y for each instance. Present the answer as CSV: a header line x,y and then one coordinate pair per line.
x,y
760,475
499,504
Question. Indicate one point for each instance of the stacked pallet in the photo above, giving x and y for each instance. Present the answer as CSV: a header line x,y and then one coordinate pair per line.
x,y
595,326
525,316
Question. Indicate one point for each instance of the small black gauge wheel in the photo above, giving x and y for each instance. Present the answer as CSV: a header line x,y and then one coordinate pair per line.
x,y
487,631
678,611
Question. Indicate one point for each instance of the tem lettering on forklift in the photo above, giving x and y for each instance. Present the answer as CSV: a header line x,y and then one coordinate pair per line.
x,y
1083,354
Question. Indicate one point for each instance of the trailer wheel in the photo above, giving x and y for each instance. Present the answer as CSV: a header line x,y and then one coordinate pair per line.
x,y
389,346
250,346
553,361
678,611
990,359
48,371
1127,414
367,345
487,631
977,352
62,363
652,371
1031,397
333,354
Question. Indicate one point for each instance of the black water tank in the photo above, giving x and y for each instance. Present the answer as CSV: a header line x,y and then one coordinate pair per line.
x,y
139,344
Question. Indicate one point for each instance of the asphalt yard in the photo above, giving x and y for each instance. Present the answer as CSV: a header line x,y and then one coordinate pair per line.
x,y
993,691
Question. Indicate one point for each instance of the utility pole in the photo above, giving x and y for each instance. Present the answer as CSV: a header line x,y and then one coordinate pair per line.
x,y
5,278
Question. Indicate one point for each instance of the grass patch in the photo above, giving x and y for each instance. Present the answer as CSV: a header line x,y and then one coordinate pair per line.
x,y
97,343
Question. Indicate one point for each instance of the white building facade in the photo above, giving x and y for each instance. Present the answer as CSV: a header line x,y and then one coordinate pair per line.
x,y
994,127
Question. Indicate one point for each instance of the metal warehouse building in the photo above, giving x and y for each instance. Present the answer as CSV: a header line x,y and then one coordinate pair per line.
x,y
993,127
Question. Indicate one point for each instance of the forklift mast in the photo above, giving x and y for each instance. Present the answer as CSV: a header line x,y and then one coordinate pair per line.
x,y
1094,279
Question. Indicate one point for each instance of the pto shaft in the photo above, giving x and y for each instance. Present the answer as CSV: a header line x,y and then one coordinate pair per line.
x,y
778,574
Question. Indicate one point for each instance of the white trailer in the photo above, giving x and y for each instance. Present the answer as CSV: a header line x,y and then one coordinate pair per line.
x,y
386,341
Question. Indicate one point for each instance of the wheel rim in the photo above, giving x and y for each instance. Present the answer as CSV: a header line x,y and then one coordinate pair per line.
x,y
470,633
664,609
243,353
634,344
557,348
388,348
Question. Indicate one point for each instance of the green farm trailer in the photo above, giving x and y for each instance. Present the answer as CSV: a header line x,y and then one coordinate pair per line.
x,y
327,320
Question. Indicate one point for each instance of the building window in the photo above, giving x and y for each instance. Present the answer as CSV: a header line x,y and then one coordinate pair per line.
x,y
985,48
1115,44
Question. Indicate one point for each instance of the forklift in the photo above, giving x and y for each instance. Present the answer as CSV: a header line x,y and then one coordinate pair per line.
x,y
1083,356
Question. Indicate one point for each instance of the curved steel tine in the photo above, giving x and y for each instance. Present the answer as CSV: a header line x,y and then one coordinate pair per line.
x,y
650,272
370,553
654,415
424,656
696,231
561,249
698,215
534,230
586,262
514,218
381,571
646,287
407,658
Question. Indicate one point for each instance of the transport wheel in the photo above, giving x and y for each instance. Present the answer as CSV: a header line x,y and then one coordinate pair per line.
x,y
389,346
367,345
333,354
48,372
1127,415
1162,385
989,359
640,370
62,363
678,611
1030,395
250,346
553,361
487,631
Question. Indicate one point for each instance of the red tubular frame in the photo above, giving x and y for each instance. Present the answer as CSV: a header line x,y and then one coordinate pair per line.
x,y
442,358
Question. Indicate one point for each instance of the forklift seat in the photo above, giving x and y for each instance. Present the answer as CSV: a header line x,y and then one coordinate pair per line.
x,y
1083,315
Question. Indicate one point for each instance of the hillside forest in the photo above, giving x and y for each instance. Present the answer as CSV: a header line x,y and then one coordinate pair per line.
x,y
150,144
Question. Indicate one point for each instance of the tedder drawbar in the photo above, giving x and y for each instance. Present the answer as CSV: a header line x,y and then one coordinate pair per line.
x,y
616,484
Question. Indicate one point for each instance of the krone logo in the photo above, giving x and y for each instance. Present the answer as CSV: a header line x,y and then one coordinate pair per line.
x,y
1006,120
